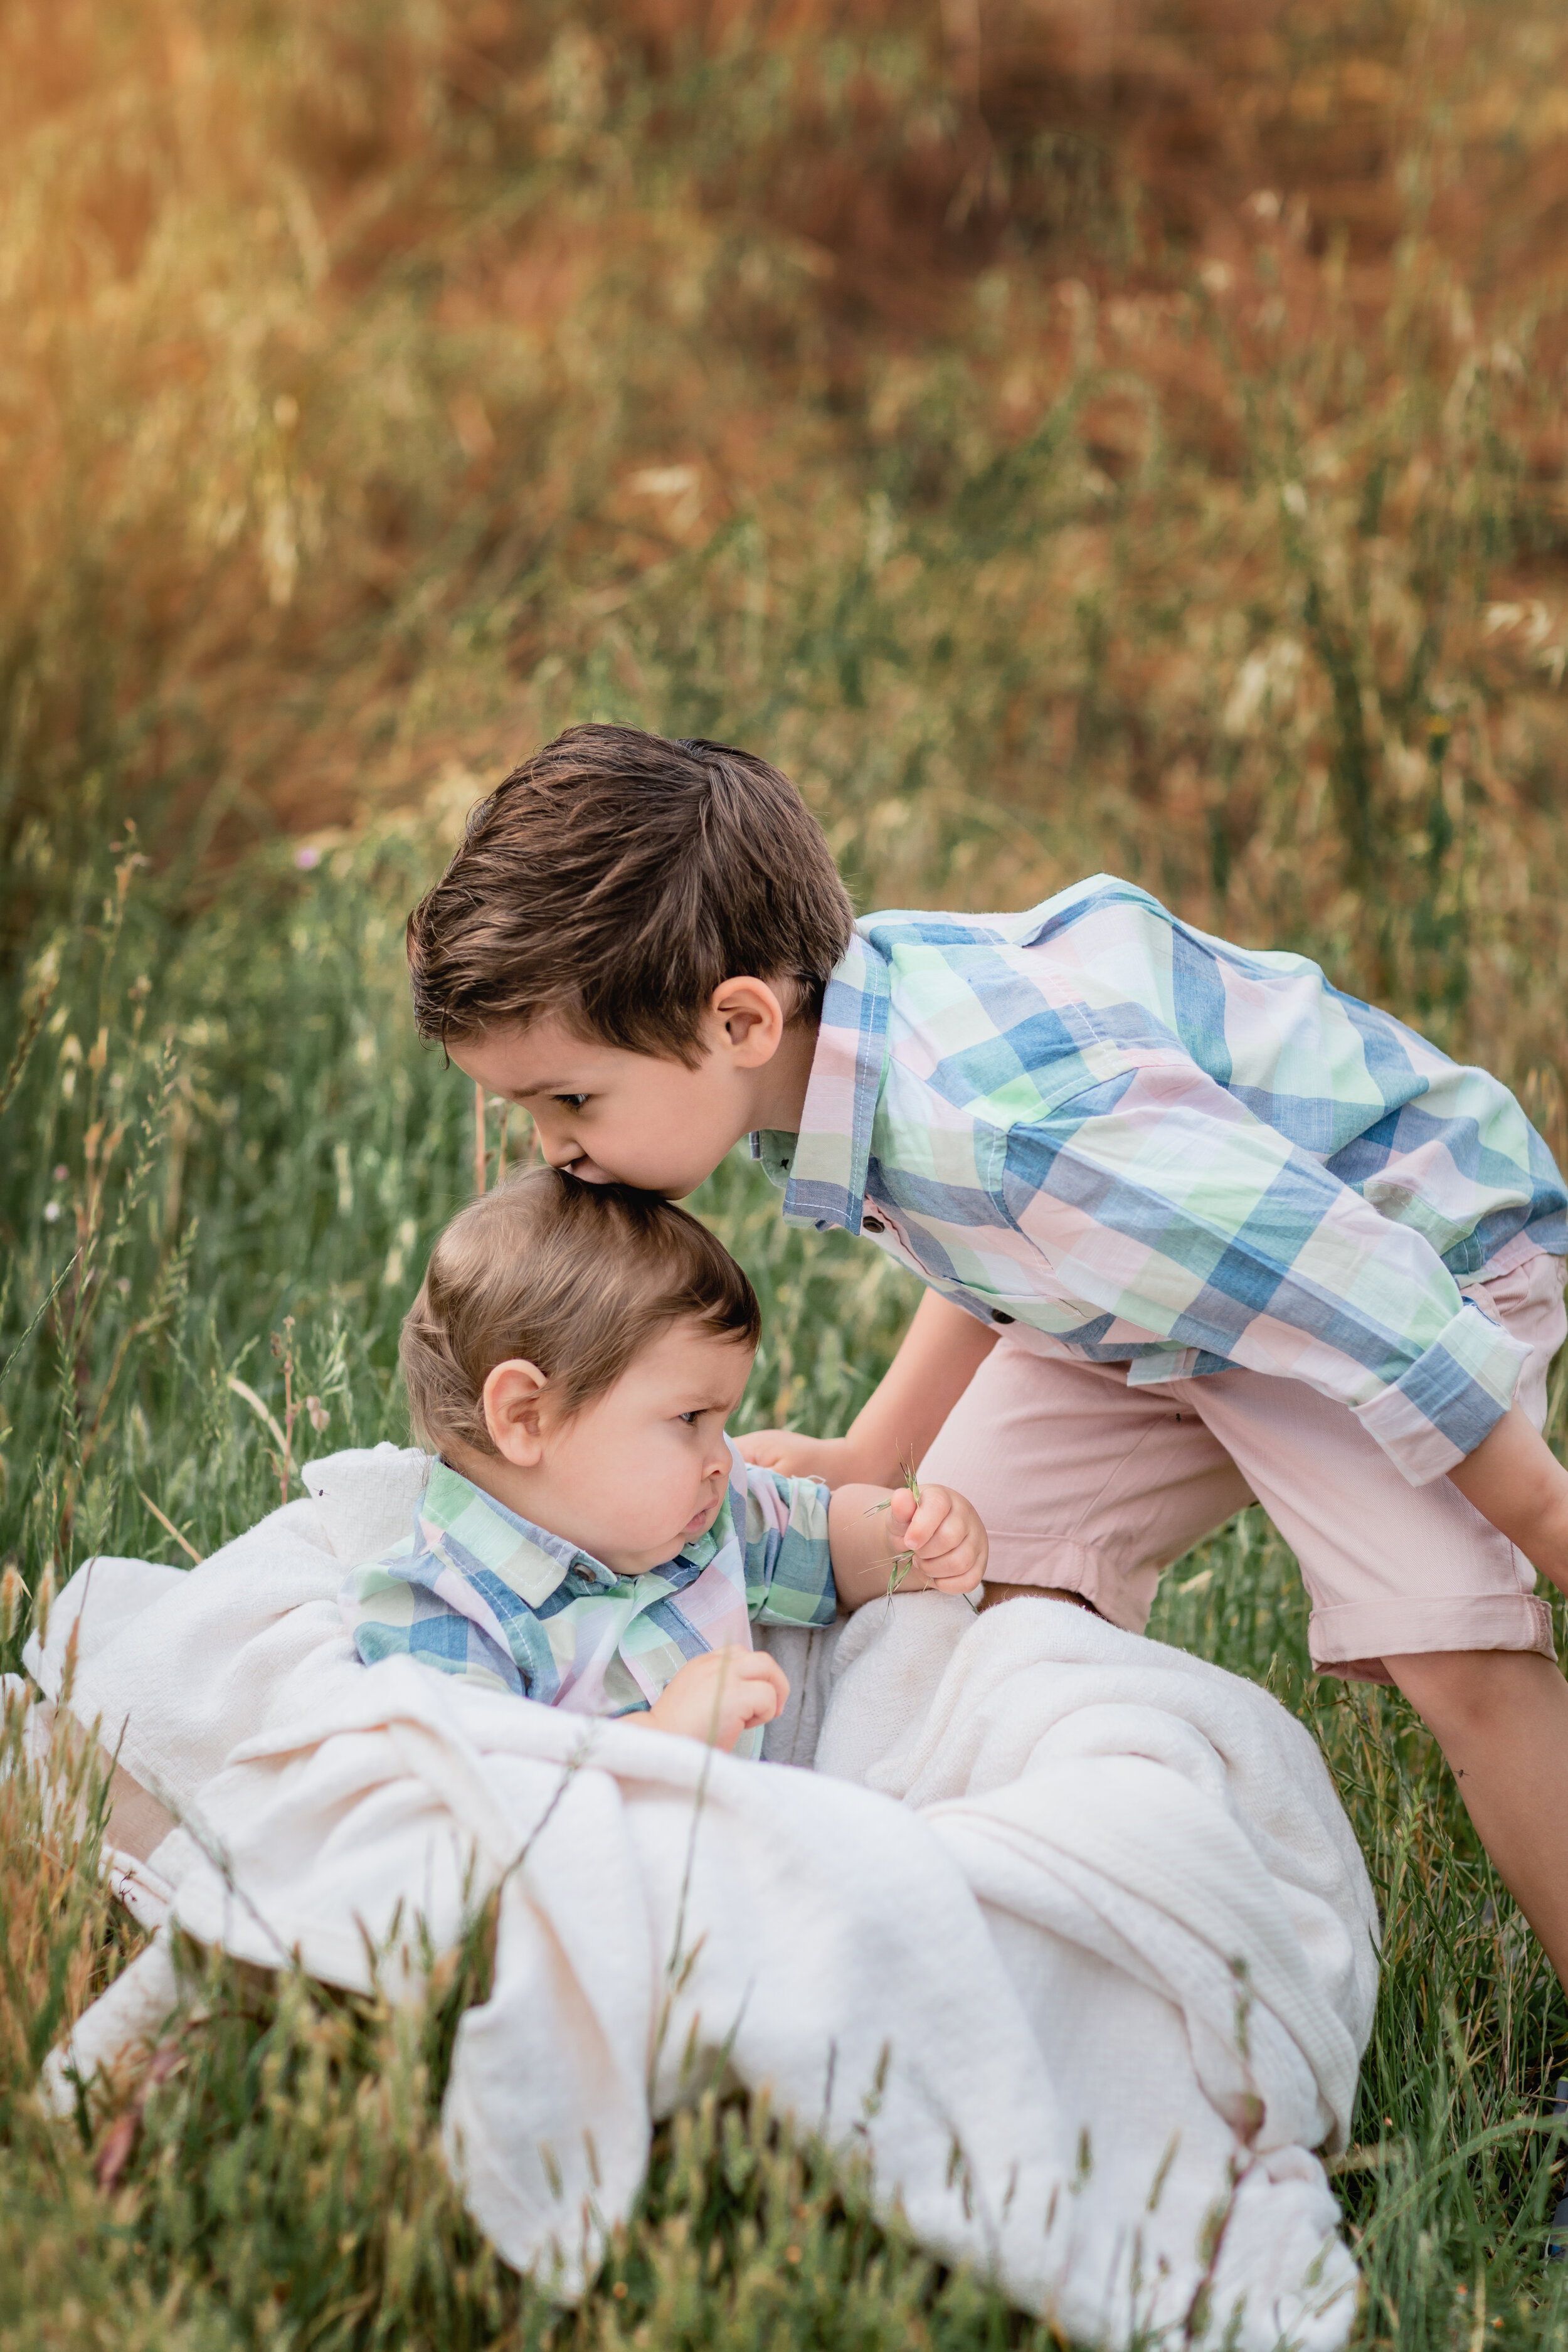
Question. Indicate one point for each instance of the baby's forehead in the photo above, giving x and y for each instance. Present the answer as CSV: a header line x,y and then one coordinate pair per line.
x,y
690,1355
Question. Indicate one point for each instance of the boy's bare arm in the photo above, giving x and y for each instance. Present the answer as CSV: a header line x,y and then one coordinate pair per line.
x,y
1515,1480
941,1352
869,1527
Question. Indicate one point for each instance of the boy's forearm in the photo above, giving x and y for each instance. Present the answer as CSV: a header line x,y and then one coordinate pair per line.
x,y
941,1352
1515,1480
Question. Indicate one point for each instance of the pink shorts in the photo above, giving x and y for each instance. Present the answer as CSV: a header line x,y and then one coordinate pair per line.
x,y
1087,1484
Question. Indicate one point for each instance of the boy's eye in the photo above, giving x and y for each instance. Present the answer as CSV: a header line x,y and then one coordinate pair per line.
x,y
690,1419
572,1102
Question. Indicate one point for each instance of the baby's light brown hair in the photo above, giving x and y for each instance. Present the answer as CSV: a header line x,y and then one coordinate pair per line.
x,y
575,1278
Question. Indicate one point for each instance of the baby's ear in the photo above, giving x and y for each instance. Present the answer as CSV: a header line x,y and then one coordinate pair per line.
x,y
512,1398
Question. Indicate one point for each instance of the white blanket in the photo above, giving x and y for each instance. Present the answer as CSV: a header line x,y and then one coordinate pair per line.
x,y
1084,1962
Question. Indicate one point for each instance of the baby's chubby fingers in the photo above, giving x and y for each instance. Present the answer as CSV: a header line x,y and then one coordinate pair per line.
x,y
746,1688
946,1537
749,1695
716,1697
761,1679
958,1572
934,1523
921,1520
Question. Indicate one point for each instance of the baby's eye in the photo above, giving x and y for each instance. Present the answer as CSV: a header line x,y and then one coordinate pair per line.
x,y
572,1102
690,1419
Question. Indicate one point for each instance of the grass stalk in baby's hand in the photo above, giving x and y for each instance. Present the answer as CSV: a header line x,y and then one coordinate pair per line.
x,y
904,1560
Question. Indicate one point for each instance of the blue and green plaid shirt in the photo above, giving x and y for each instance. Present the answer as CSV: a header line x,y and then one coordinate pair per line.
x,y
477,1590
1103,1126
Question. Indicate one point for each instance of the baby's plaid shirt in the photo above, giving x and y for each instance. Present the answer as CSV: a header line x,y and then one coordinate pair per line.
x,y
477,1590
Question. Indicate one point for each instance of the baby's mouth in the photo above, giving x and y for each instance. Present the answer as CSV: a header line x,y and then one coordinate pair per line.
x,y
701,1519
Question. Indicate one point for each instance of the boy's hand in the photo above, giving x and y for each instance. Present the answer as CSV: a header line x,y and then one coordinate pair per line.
x,y
943,1531
718,1696
793,1457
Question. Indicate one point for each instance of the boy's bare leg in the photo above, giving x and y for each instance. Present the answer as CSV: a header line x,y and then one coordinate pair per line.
x,y
1500,1717
992,1594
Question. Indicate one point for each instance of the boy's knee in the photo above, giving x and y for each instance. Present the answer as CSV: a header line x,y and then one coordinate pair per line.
x,y
1457,1689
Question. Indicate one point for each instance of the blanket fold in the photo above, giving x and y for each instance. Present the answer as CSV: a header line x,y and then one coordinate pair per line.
x,y
1067,1932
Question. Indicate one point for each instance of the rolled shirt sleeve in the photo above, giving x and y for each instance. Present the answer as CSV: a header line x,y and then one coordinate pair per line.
x,y
789,1568
1453,1396
1161,1202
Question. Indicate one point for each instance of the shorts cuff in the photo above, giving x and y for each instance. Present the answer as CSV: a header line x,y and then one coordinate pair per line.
x,y
1124,1601
1353,1640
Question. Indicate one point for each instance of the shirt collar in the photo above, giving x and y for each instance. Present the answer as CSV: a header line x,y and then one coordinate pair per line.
x,y
529,1558
824,1168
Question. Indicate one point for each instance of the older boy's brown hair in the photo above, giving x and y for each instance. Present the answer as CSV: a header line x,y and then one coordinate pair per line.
x,y
616,879
575,1278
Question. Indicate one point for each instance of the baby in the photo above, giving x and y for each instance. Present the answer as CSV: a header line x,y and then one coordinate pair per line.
x,y
590,1536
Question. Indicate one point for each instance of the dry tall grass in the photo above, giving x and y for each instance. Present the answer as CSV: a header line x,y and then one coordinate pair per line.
x,y
1064,437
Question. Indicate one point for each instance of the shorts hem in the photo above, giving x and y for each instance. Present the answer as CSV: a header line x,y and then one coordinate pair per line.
x,y
1071,1568
1353,1640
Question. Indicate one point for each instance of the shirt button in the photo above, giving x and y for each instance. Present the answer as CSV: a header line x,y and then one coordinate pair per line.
x,y
872,1225
997,1317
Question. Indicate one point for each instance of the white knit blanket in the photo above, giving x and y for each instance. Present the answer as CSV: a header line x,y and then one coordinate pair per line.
x,y
1067,1932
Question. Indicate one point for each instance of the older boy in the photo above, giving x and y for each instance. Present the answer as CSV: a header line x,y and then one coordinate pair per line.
x,y
1194,1226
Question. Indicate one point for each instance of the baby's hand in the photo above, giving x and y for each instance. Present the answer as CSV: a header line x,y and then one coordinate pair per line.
x,y
943,1531
718,1696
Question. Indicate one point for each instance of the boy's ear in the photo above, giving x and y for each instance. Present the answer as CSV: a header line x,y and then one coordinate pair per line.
x,y
513,1397
752,1018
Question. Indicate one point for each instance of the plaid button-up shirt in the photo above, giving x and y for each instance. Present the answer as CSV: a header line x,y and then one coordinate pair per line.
x,y
1100,1126
478,1591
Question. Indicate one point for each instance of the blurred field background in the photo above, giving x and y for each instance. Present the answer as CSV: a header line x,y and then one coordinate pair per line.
x,y
1064,436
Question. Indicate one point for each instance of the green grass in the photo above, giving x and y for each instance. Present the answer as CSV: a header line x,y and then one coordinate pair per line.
x,y
235,1127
